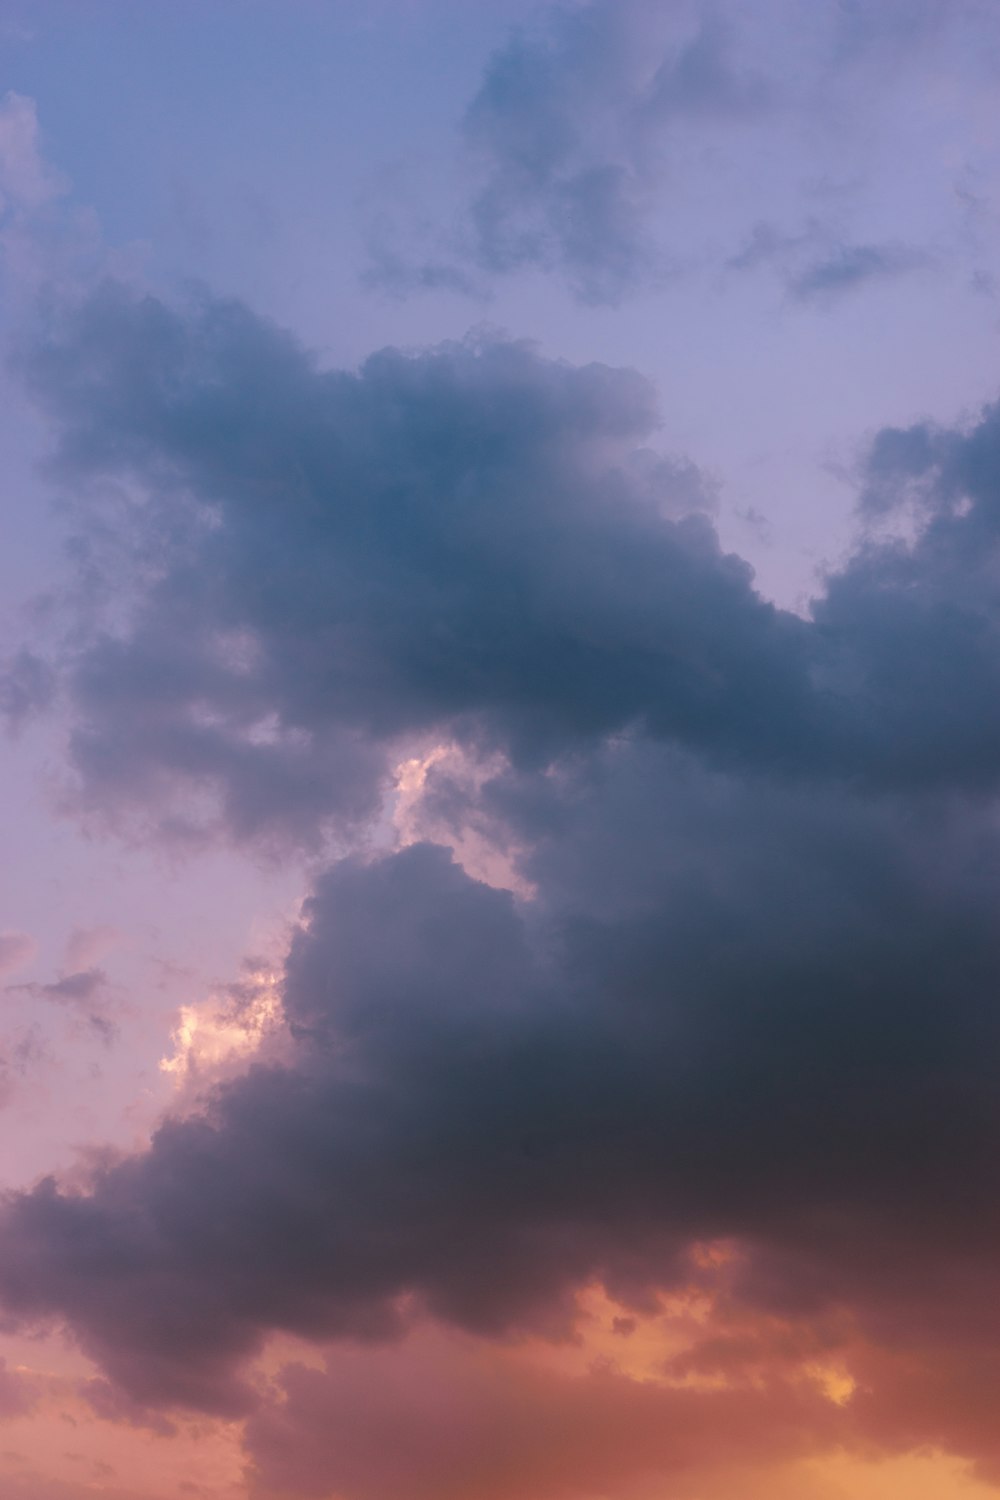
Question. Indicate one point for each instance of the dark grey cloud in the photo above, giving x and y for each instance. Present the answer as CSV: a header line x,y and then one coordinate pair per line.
x,y
113,1404
752,995
473,543
735,1009
464,540
917,614
948,475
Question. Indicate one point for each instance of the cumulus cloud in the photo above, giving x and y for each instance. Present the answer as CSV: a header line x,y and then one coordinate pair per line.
x,y
463,545
722,1031
740,992
736,1010
332,562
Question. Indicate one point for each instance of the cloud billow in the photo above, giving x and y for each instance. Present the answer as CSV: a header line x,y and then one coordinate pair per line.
x,y
331,562
748,992
461,544
752,1031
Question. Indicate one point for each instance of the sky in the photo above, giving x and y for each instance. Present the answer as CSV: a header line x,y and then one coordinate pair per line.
x,y
500,705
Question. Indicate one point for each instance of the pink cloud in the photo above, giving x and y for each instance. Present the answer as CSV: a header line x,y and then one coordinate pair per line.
x,y
86,946
16,950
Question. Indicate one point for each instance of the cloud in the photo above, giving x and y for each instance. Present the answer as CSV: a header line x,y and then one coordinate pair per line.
x,y
565,141
74,988
85,946
112,1404
460,538
83,992
18,1391
27,182
853,266
731,1012
37,232
815,264
610,143
862,32
743,997
463,545
34,1486
20,1054
16,950
27,686
481,1425
567,125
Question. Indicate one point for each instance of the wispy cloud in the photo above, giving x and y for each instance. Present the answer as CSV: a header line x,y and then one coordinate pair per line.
x,y
16,950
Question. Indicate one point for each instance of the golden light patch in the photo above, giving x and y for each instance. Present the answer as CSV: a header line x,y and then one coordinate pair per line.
x,y
473,848
637,1345
925,1476
222,1030
651,1346
833,1380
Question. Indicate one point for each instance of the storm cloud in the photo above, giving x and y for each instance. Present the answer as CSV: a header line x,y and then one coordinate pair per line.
x,y
737,1013
311,569
746,995
330,562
